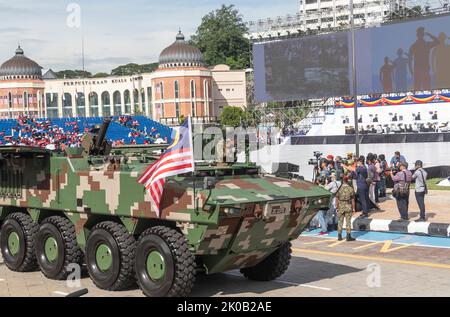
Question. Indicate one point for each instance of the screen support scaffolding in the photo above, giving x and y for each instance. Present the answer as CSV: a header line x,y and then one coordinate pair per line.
x,y
355,98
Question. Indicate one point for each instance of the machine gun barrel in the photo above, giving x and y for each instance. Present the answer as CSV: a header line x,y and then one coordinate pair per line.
x,y
102,133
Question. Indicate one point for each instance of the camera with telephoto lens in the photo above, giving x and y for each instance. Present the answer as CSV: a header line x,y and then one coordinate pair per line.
x,y
316,160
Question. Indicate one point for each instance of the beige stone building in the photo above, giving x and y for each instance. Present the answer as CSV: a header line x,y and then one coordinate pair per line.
x,y
181,86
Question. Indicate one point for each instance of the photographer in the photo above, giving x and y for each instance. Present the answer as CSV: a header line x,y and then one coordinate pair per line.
x,y
402,180
362,191
396,160
384,167
333,186
372,179
420,176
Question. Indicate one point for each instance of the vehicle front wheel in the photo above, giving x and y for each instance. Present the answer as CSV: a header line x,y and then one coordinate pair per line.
x,y
110,256
164,265
271,267
18,234
57,247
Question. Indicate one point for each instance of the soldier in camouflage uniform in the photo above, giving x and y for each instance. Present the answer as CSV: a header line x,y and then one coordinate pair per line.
x,y
345,204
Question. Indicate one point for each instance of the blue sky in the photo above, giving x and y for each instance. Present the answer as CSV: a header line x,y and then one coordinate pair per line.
x,y
115,31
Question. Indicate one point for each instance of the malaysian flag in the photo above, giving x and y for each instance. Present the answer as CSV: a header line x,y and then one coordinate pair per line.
x,y
178,159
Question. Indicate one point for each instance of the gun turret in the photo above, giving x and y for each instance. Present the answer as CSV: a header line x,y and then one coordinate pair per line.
x,y
100,138
94,143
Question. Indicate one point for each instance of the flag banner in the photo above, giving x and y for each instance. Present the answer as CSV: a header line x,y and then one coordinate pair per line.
x,y
178,159
395,101
423,98
371,102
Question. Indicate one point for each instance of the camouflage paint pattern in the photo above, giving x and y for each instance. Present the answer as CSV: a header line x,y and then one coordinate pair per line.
x,y
235,224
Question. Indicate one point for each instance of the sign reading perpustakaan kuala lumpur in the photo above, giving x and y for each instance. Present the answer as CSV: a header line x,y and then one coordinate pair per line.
x,y
398,57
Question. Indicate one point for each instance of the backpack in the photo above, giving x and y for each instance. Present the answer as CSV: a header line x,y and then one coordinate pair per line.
x,y
401,191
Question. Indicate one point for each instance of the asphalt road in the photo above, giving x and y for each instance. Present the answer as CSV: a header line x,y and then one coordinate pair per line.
x,y
378,264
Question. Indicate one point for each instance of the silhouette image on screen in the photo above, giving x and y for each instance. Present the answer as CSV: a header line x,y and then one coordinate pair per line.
x,y
419,59
386,75
401,71
440,61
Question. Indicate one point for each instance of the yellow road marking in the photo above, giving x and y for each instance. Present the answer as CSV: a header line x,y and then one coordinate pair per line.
x,y
367,245
386,248
317,242
374,258
336,243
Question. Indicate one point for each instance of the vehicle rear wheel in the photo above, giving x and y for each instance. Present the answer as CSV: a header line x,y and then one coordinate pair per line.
x,y
18,235
164,264
57,247
110,256
271,267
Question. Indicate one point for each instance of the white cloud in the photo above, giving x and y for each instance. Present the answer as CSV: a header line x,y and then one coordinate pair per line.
x,y
114,30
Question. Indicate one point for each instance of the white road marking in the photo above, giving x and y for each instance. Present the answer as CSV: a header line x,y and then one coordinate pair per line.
x,y
60,293
289,283
395,241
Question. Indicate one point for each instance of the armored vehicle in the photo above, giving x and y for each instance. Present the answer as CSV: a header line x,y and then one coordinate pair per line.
x,y
83,206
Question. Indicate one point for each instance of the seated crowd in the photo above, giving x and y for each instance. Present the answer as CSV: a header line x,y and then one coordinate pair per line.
x,y
44,133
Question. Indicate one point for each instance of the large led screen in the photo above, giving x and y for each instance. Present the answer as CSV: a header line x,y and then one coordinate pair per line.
x,y
403,57
302,68
398,57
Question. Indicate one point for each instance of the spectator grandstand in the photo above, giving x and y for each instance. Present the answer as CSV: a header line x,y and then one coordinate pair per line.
x,y
52,133
430,117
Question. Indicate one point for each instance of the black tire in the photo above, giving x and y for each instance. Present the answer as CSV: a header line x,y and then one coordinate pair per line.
x,y
271,267
179,275
24,260
122,247
68,252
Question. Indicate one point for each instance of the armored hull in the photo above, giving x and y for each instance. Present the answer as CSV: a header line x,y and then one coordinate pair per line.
x,y
55,207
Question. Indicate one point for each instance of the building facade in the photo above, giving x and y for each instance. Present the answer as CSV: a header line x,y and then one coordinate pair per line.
x,y
21,87
181,86
323,15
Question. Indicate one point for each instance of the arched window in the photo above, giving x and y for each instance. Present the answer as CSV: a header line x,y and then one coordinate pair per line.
x,y
67,105
192,89
193,103
106,104
206,93
177,89
127,98
25,99
81,104
93,103
161,89
117,102
51,105
136,101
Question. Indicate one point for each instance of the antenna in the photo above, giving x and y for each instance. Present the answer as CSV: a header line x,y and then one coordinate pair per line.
x,y
82,51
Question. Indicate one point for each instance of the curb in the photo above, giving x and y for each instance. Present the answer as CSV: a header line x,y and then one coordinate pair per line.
x,y
410,227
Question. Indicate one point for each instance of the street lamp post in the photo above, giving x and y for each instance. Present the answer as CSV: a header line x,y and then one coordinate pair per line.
x,y
355,97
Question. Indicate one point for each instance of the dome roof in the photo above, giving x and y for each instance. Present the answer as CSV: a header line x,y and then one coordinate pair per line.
x,y
180,54
20,67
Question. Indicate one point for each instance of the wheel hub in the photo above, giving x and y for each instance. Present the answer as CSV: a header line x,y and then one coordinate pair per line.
x,y
103,257
51,249
156,266
13,243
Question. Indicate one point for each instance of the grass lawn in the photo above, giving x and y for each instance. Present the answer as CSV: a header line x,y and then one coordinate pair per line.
x,y
432,184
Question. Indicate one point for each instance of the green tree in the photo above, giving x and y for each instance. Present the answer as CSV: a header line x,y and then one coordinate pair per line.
x,y
221,38
72,74
132,69
233,116
100,75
